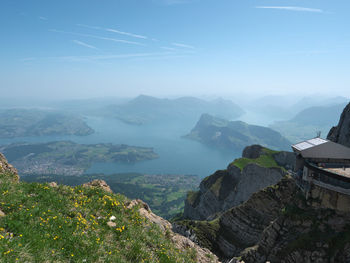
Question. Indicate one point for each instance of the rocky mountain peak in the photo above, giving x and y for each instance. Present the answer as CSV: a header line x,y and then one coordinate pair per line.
x,y
341,133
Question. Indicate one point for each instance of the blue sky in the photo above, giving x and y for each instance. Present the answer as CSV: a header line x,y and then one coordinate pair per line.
x,y
98,48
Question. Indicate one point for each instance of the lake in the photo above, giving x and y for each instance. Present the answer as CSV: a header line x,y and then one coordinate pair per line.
x,y
176,154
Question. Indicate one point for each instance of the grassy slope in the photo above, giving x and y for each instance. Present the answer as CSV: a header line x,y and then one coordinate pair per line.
x,y
66,224
165,194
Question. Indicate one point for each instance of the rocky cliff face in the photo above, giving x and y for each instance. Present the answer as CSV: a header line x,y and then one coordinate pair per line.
x,y
242,226
302,233
276,224
233,186
341,132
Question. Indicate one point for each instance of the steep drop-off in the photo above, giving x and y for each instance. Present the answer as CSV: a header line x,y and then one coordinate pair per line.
x,y
341,133
258,168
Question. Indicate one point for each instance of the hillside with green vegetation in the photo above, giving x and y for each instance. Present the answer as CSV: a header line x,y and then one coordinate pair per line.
x,y
69,158
35,122
165,194
235,135
58,223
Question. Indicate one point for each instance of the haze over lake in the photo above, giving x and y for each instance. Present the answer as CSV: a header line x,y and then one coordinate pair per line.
x,y
176,155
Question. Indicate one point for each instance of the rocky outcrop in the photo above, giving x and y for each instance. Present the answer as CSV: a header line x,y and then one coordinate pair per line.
x,y
276,224
7,168
285,159
303,234
253,151
282,158
99,184
203,255
242,226
253,179
341,133
233,186
211,198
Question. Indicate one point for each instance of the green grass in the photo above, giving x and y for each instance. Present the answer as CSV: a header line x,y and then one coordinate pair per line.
x,y
69,224
165,194
266,161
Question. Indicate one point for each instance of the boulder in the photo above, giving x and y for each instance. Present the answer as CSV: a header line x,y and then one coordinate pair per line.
x,y
99,184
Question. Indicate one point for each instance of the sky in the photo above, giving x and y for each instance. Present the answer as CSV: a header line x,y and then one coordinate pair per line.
x,y
101,48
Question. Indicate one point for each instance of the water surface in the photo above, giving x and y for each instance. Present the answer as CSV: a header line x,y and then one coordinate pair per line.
x,y
176,154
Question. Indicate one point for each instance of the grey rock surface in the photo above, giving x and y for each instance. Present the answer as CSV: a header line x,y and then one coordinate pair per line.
x,y
341,133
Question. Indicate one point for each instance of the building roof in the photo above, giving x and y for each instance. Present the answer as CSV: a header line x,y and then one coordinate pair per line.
x,y
318,148
308,144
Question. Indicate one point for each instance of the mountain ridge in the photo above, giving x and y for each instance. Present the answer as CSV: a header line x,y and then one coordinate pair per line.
x,y
235,135
147,109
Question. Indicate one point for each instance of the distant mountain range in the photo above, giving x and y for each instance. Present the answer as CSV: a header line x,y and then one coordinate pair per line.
x,y
38,122
146,109
235,135
306,123
285,107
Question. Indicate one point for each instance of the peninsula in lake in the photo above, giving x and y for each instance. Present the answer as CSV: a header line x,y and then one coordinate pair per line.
x,y
37,122
69,158
235,135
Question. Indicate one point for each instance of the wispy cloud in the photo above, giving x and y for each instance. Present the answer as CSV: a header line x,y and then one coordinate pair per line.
x,y
42,18
114,31
84,44
98,37
157,55
293,8
182,45
125,33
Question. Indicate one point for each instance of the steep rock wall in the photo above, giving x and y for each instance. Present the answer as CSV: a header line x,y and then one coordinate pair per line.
x,y
341,133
